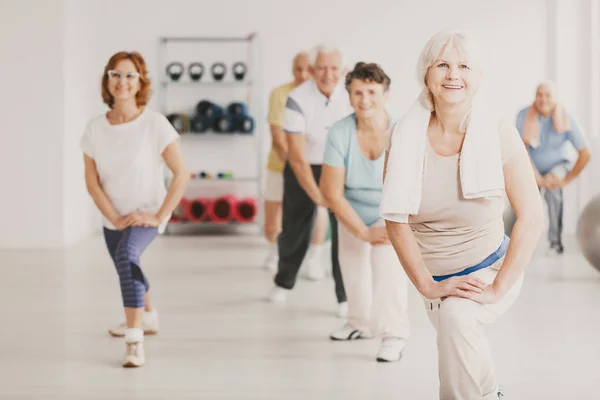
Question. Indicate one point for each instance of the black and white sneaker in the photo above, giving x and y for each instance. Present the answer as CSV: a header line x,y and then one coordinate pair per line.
x,y
390,349
556,249
347,332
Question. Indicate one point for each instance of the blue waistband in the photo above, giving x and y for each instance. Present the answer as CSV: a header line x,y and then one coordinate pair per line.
x,y
491,259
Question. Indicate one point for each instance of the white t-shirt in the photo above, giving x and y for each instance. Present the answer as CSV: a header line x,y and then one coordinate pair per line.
x,y
129,161
309,112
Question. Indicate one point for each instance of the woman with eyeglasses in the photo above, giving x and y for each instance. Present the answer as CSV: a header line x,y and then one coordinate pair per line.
x,y
125,151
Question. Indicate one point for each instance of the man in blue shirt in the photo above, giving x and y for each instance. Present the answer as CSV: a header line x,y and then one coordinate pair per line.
x,y
548,133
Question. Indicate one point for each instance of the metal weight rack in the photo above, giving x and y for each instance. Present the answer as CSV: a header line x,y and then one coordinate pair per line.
x,y
211,151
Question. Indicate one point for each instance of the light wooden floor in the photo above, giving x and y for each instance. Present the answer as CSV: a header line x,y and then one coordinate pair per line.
x,y
220,340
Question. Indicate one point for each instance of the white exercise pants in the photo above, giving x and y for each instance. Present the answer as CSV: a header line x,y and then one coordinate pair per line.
x,y
465,366
376,286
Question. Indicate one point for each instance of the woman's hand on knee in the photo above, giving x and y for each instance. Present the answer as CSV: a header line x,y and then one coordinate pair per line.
x,y
142,219
122,223
458,286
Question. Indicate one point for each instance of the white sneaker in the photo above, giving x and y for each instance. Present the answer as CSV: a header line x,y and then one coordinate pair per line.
x,y
497,394
272,259
347,332
390,349
134,355
278,295
149,325
342,311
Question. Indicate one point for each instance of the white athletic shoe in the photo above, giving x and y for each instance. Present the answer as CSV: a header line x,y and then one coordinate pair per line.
x,y
272,259
134,355
390,349
278,295
149,325
342,311
347,332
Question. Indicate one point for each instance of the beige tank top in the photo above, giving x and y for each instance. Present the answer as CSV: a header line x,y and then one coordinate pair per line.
x,y
452,232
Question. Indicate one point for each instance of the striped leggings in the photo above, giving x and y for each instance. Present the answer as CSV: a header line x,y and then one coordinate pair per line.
x,y
125,248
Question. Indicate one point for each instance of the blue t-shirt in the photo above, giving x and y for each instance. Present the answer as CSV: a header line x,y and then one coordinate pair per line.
x,y
363,183
554,147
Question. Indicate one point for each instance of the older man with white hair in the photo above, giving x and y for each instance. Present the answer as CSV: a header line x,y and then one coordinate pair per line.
x,y
547,129
311,109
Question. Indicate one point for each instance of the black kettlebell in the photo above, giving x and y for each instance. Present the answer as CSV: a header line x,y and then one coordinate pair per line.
x,y
218,71
196,70
175,70
239,70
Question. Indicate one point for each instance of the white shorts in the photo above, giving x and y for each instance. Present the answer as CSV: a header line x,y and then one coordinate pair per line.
x,y
274,186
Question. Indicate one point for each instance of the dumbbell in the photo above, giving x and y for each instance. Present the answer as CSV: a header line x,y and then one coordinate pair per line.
x,y
225,175
175,70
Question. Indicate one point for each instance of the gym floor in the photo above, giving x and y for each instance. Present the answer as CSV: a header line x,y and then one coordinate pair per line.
x,y
220,340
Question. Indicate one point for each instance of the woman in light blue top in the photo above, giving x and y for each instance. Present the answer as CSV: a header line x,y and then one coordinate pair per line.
x,y
351,182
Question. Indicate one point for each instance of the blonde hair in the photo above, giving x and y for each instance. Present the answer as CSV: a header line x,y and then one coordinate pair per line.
x,y
434,48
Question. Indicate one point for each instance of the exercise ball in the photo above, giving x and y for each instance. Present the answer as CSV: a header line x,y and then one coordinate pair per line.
x,y
588,232
509,218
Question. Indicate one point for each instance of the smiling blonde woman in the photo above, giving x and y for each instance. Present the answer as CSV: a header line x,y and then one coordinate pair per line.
x,y
448,168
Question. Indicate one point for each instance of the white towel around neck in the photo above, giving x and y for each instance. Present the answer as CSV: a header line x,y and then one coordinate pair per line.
x,y
480,165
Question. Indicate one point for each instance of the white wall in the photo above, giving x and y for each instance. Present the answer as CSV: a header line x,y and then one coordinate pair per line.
x,y
512,33
390,32
32,104
81,87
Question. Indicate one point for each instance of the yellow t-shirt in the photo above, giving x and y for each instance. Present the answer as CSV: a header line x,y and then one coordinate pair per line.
x,y
277,102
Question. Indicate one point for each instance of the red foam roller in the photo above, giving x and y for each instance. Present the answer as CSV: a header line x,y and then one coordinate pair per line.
x,y
179,214
223,210
197,210
246,210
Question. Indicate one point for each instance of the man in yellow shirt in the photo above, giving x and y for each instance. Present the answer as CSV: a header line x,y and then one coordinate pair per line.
x,y
274,177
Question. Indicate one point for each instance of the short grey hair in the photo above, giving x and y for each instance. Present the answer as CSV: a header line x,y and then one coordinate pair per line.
x,y
326,49
434,48
547,84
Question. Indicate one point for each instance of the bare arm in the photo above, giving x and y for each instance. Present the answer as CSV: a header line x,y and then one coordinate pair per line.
x,y
279,141
301,167
181,176
332,187
526,203
92,182
582,161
